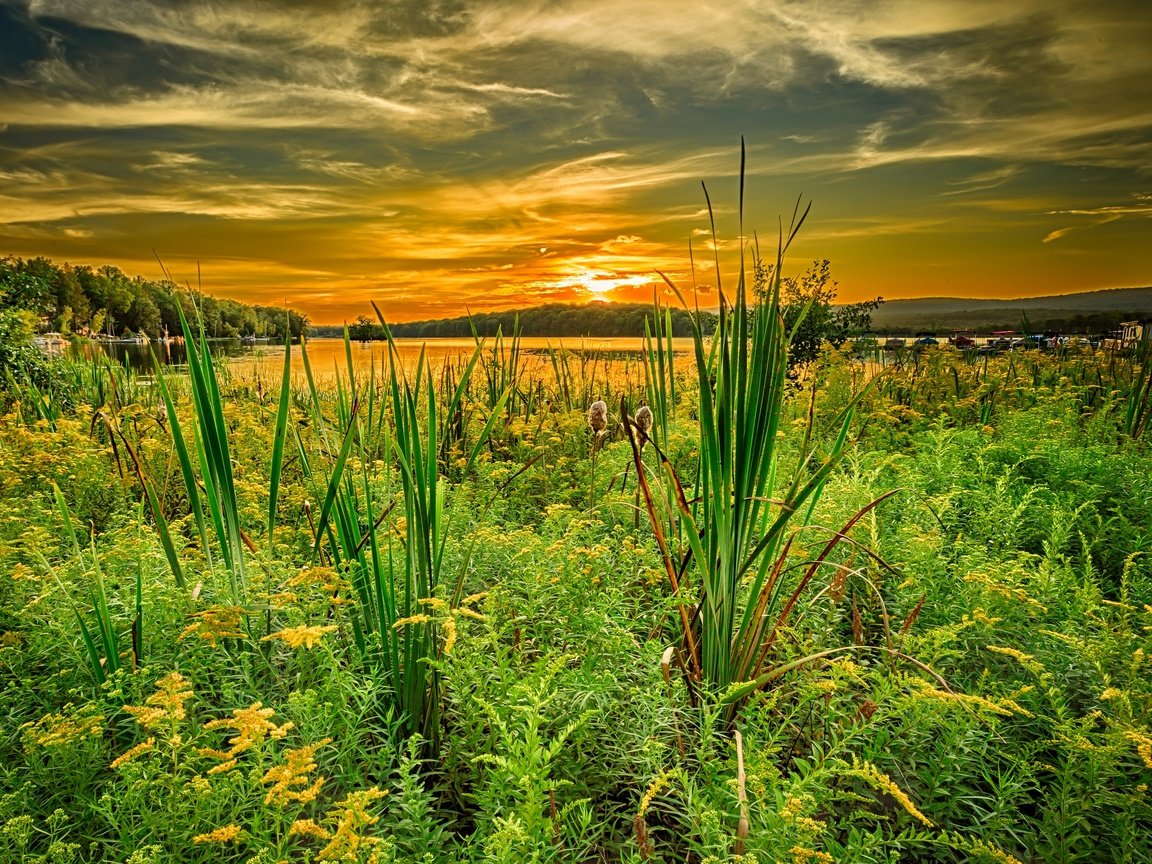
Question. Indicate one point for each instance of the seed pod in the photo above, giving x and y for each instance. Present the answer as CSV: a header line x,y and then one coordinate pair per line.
x,y
644,419
598,416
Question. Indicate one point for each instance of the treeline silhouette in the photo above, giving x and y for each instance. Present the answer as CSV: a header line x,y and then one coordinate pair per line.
x,y
93,301
555,319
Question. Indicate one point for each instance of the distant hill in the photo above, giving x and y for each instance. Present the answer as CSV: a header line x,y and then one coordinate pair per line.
x,y
554,319
1090,311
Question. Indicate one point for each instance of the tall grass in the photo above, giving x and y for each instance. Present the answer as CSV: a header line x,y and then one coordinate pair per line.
x,y
398,567
740,523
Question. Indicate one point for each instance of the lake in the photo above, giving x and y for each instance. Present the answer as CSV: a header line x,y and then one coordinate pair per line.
x,y
327,356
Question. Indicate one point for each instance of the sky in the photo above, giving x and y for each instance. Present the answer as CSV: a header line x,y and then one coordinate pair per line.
x,y
437,155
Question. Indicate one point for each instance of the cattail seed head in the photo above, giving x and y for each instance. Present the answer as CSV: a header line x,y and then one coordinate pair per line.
x,y
644,419
598,416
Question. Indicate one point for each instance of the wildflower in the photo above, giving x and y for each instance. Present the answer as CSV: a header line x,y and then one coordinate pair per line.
x,y
354,816
802,855
871,775
1143,746
252,725
55,729
653,790
412,619
127,756
1111,693
166,705
303,636
287,779
308,828
449,635
227,834
216,623
1026,660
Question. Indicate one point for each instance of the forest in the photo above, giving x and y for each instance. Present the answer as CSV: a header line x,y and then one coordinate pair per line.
x,y
98,301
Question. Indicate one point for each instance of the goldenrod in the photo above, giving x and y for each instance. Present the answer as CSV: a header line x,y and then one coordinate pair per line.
x,y
227,834
303,636
880,781
287,779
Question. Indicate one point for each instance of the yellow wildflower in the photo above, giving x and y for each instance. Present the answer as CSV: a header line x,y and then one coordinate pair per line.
x,y
308,828
449,635
420,618
353,817
1143,746
303,636
55,729
875,778
654,789
227,834
166,705
252,725
802,855
1026,660
1111,693
287,779
216,623
129,755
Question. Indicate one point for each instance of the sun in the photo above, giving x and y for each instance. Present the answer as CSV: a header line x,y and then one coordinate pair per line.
x,y
601,282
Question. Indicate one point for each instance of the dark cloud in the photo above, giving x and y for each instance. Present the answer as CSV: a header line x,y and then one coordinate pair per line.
x,y
444,142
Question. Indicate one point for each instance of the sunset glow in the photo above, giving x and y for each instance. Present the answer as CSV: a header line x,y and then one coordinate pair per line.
x,y
497,154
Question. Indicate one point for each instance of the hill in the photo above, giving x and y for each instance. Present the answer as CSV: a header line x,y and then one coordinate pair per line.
x,y
553,319
1090,311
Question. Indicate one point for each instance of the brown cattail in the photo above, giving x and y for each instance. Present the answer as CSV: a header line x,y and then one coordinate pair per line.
x,y
644,420
598,416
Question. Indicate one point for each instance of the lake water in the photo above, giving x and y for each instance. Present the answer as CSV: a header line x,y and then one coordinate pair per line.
x,y
328,356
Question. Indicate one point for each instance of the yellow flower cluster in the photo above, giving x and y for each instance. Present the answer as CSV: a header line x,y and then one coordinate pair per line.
x,y
445,616
227,834
1026,660
661,782
1143,746
216,623
881,782
127,756
252,725
290,780
352,818
53,730
165,707
802,855
1005,707
301,637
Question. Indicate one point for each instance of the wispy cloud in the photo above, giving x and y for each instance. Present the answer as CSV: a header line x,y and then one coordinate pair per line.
x,y
347,150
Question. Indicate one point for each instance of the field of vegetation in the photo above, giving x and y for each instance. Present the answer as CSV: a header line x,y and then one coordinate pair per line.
x,y
553,609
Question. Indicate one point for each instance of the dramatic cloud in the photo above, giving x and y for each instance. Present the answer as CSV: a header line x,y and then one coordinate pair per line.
x,y
432,153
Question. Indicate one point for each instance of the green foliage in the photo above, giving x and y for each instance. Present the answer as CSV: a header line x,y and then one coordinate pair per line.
x,y
811,318
102,300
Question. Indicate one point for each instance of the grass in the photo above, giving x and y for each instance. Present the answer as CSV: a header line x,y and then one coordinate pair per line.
x,y
865,618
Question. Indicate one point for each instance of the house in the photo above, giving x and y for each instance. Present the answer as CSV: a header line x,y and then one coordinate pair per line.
x,y
1131,334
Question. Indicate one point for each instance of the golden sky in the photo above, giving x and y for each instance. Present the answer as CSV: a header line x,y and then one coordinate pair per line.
x,y
437,154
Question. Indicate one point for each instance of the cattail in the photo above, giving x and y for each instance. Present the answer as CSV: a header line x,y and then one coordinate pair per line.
x,y
644,419
598,416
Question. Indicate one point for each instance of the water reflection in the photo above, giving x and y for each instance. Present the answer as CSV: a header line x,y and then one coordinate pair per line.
x,y
329,357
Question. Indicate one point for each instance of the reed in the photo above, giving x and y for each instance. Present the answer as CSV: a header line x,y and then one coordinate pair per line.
x,y
743,518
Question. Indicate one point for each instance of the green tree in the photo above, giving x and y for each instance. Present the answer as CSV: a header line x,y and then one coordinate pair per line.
x,y
807,304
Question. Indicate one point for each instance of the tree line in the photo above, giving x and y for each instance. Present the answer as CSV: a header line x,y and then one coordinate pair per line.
x,y
104,301
598,320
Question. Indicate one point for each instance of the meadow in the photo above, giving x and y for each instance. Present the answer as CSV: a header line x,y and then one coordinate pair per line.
x,y
554,607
